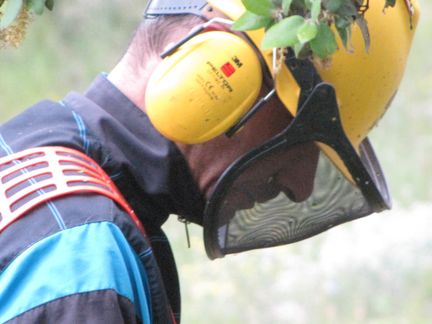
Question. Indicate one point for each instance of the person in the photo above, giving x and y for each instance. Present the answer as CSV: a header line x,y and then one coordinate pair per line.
x,y
87,182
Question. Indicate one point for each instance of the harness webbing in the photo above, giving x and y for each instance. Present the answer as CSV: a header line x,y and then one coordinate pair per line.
x,y
35,176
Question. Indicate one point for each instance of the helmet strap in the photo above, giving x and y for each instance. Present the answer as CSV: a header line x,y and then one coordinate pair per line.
x,y
173,7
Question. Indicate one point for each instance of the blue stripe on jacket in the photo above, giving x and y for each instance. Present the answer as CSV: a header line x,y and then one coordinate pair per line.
x,y
82,259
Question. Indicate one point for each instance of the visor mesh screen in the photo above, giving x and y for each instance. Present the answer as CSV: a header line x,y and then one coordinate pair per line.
x,y
280,220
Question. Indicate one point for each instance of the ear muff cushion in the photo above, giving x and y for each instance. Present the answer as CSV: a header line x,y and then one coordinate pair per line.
x,y
202,89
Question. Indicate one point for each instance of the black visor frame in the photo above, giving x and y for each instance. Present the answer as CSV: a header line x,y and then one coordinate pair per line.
x,y
317,120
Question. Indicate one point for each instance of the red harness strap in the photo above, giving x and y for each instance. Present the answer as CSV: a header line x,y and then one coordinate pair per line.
x,y
35,176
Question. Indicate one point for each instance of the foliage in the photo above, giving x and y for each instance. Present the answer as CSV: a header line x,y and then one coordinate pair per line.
x,y
14,18
305,25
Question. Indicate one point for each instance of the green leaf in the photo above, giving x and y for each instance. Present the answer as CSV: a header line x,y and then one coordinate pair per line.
x,y
316,9
324,44
36,6
284,33
299,4
10,10
49,4
332,5
347,9
361,22
251,21
344,34
286,5
307,32
298,48
390,3
343,27
343,22
260,7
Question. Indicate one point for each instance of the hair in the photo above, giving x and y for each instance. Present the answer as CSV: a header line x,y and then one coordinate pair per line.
x,y
154,34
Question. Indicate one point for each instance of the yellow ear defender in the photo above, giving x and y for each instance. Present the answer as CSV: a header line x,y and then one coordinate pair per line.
x,y
204,87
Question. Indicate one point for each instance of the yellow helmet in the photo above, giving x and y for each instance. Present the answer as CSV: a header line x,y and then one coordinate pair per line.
x,y
365,81
345,101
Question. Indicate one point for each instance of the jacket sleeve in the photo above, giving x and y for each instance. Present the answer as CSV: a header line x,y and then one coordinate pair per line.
x,y
83,274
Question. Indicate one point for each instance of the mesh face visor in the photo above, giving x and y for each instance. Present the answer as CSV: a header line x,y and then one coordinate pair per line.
x,y
255,204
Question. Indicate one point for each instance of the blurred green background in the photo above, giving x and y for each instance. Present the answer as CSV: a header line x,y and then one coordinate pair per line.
x,y
375,270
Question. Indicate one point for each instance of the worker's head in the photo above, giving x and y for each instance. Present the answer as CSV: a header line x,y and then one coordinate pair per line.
x,y
300,165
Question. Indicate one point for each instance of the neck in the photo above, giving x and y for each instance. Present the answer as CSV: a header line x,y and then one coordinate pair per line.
x,y
131,78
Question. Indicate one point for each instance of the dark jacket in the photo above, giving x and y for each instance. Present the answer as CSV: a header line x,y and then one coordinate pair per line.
x,y
151,174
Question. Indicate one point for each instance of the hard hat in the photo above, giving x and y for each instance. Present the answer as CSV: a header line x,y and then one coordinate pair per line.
x,y
341,105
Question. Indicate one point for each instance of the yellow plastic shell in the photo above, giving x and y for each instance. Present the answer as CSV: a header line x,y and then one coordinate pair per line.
x,y
365,82
202,89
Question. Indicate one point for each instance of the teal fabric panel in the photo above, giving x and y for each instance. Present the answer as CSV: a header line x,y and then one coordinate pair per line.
x,y
82,259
